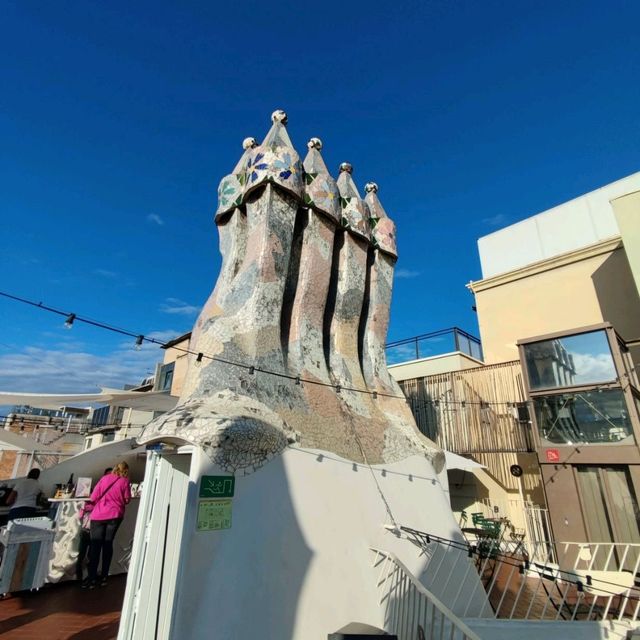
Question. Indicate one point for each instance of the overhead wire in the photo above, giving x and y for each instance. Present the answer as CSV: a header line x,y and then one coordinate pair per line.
x,y
139,337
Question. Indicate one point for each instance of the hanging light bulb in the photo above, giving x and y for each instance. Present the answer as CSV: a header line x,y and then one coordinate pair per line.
x,y
139,341
69,321
199,359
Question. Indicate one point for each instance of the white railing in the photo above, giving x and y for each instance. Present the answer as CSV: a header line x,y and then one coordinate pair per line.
x,y
594,582
542,581
411,611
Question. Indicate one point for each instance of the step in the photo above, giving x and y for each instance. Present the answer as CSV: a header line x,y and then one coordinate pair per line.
x,y
492,629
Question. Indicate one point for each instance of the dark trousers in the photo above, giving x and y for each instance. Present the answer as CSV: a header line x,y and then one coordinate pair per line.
x,y
102,534
22,512
85,541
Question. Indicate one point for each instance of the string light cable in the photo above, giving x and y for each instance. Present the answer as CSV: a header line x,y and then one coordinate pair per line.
x,y
71,318
139,338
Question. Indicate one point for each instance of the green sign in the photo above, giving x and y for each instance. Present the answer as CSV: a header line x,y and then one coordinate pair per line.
x,y
214,515
217,486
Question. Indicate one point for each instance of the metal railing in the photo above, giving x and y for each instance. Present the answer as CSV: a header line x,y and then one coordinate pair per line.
x,y
433,344
34,423
527,521
588,582
410,610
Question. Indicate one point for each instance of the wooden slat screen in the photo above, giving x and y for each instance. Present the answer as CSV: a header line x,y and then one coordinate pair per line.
x,y
473,410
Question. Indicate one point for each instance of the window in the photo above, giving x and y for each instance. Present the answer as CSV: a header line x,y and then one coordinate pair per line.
x,y
100,416
594,416
611,513
581,359
166,376
117,415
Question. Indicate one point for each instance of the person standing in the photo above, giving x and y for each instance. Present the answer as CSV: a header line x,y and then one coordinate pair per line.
x,y
85,535
109,499
23,498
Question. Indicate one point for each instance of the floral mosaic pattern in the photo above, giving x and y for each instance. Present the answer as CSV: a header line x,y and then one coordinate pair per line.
x,y
277,165
276,161
355,216
230,193
383,229
321,193
384,236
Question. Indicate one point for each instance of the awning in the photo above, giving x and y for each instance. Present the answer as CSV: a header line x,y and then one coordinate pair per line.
x,y
454,461
144,400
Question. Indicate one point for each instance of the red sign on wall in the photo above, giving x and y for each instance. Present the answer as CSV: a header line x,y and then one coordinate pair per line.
x,y
553,455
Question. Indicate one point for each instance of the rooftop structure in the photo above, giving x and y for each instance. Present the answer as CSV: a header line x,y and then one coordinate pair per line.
x,y
584,221
287,402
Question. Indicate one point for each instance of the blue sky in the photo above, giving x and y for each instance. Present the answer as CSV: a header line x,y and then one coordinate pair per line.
x,y
117,121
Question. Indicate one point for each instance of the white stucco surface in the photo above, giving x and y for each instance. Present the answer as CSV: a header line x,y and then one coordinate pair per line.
x,y
433,365
297,562
578,223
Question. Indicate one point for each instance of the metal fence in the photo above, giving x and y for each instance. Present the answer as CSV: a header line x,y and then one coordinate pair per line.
x,y
433,344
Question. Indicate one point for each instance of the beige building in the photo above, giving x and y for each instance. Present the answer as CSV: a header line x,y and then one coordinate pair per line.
x,y
567,267
559,294
171,373
552,392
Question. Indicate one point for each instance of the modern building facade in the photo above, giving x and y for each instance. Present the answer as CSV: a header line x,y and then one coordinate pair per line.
x,y
559,293
561,269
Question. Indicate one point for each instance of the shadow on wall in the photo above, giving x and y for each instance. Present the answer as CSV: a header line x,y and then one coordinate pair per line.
x,y
465,491
618,295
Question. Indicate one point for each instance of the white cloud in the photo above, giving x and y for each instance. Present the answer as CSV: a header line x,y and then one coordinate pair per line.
x,y
401,353
105,273
593,368
495,221
407,273
70,369
155,218
175,306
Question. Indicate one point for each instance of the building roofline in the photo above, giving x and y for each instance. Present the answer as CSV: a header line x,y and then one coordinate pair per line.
x,y
596,249
175,341
570,201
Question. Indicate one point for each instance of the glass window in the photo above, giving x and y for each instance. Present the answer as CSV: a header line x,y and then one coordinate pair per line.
x,y
166,376
598,417
575,360
611,514
597,519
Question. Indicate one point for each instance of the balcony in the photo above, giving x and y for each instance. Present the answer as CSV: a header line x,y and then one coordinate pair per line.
x,y
434,344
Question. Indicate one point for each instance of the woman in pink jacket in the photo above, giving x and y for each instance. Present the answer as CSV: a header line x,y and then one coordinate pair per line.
x,y
108,500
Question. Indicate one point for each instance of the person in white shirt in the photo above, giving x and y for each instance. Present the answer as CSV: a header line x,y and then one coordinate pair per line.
x,y
24,496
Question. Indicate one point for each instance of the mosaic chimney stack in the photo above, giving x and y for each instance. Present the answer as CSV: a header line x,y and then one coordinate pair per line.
x,y
303,291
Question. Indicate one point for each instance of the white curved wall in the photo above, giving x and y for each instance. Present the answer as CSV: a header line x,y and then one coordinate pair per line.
x,y
296,562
